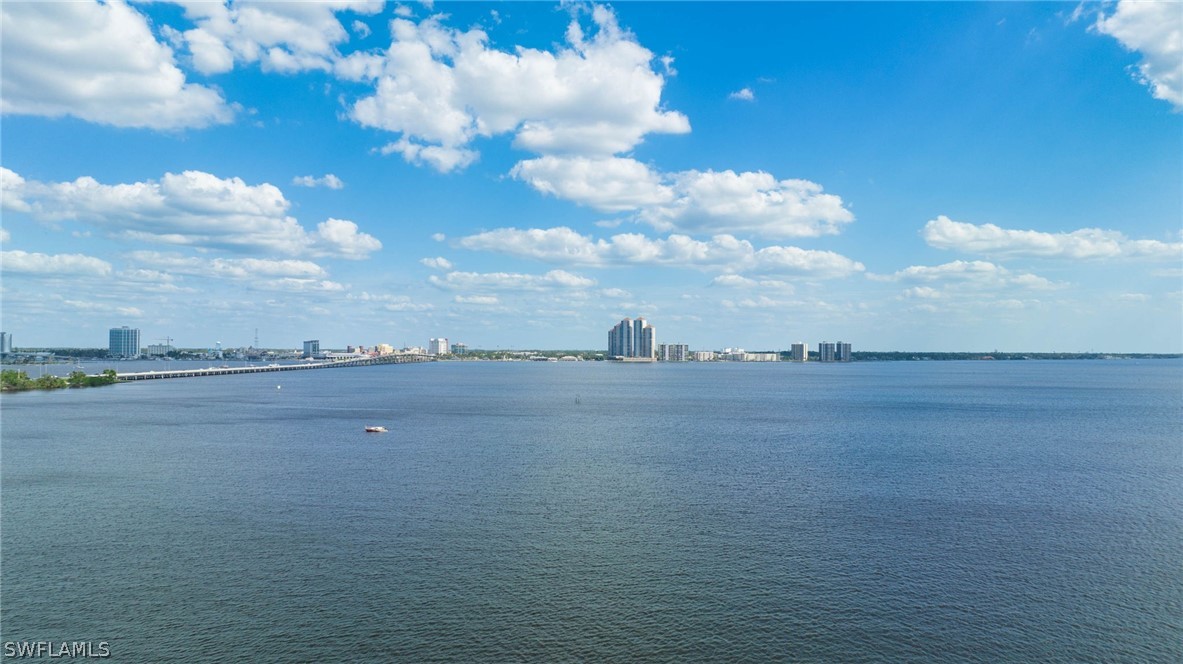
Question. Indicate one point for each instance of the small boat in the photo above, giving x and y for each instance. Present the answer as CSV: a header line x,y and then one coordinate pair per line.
x,y
375,429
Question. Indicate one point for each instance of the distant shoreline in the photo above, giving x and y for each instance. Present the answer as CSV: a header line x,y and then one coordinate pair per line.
x,y
908,356
592,355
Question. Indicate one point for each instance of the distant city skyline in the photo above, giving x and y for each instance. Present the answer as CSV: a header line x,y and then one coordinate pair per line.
x,y
900,176
640,341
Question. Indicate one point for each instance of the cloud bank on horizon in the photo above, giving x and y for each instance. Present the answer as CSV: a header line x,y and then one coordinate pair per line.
x,y
489,150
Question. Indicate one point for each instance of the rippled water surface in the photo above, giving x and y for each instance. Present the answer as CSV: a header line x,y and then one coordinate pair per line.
x,y
868,512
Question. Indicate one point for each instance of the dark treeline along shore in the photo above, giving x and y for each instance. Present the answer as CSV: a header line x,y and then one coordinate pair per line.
x,y
12,380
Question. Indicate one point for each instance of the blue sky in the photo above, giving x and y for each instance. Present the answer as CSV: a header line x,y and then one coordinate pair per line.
x,y
914,176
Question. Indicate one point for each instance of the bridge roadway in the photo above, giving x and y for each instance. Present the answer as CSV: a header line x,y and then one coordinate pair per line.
x,y
223,371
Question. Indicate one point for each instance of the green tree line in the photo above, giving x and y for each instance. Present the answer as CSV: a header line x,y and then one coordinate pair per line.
x,y
12,380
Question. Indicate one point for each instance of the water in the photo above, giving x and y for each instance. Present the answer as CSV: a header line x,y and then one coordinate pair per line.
x,y
869,512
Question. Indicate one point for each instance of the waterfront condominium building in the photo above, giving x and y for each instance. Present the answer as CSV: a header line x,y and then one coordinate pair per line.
x,y
124,342
644,343
632,338
620,339
825,351
842,352
799,352
312,348
673,352
5,342
438,346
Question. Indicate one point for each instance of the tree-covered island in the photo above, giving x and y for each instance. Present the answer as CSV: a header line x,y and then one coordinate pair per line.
x,y
12,380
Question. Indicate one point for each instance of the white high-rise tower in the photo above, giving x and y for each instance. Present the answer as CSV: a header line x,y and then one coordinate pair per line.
x,y
124,342
632,338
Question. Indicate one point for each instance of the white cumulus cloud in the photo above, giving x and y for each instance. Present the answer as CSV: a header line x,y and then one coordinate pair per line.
x,y
296,285
760,302
100,307
192,208
53,265
610,184
441,88
979,274
285,37
923,293
99,63
407,306
743,94
477,299
754,203
442,158
750,202
390,302
12,191
988,239
226,268
1155,30
740,281
341,238
722,252
437,263
328,180
510,281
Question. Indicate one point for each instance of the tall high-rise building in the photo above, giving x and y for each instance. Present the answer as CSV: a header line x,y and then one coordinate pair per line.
x,y
5,342
620,339
312,348
124,342
438,346
644,341
632,338
825,351
799,352
842,352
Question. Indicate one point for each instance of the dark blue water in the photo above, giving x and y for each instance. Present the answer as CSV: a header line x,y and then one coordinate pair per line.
x,y
869,512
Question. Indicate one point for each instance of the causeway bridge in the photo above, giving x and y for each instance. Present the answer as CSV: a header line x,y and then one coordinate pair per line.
x,y
225,371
